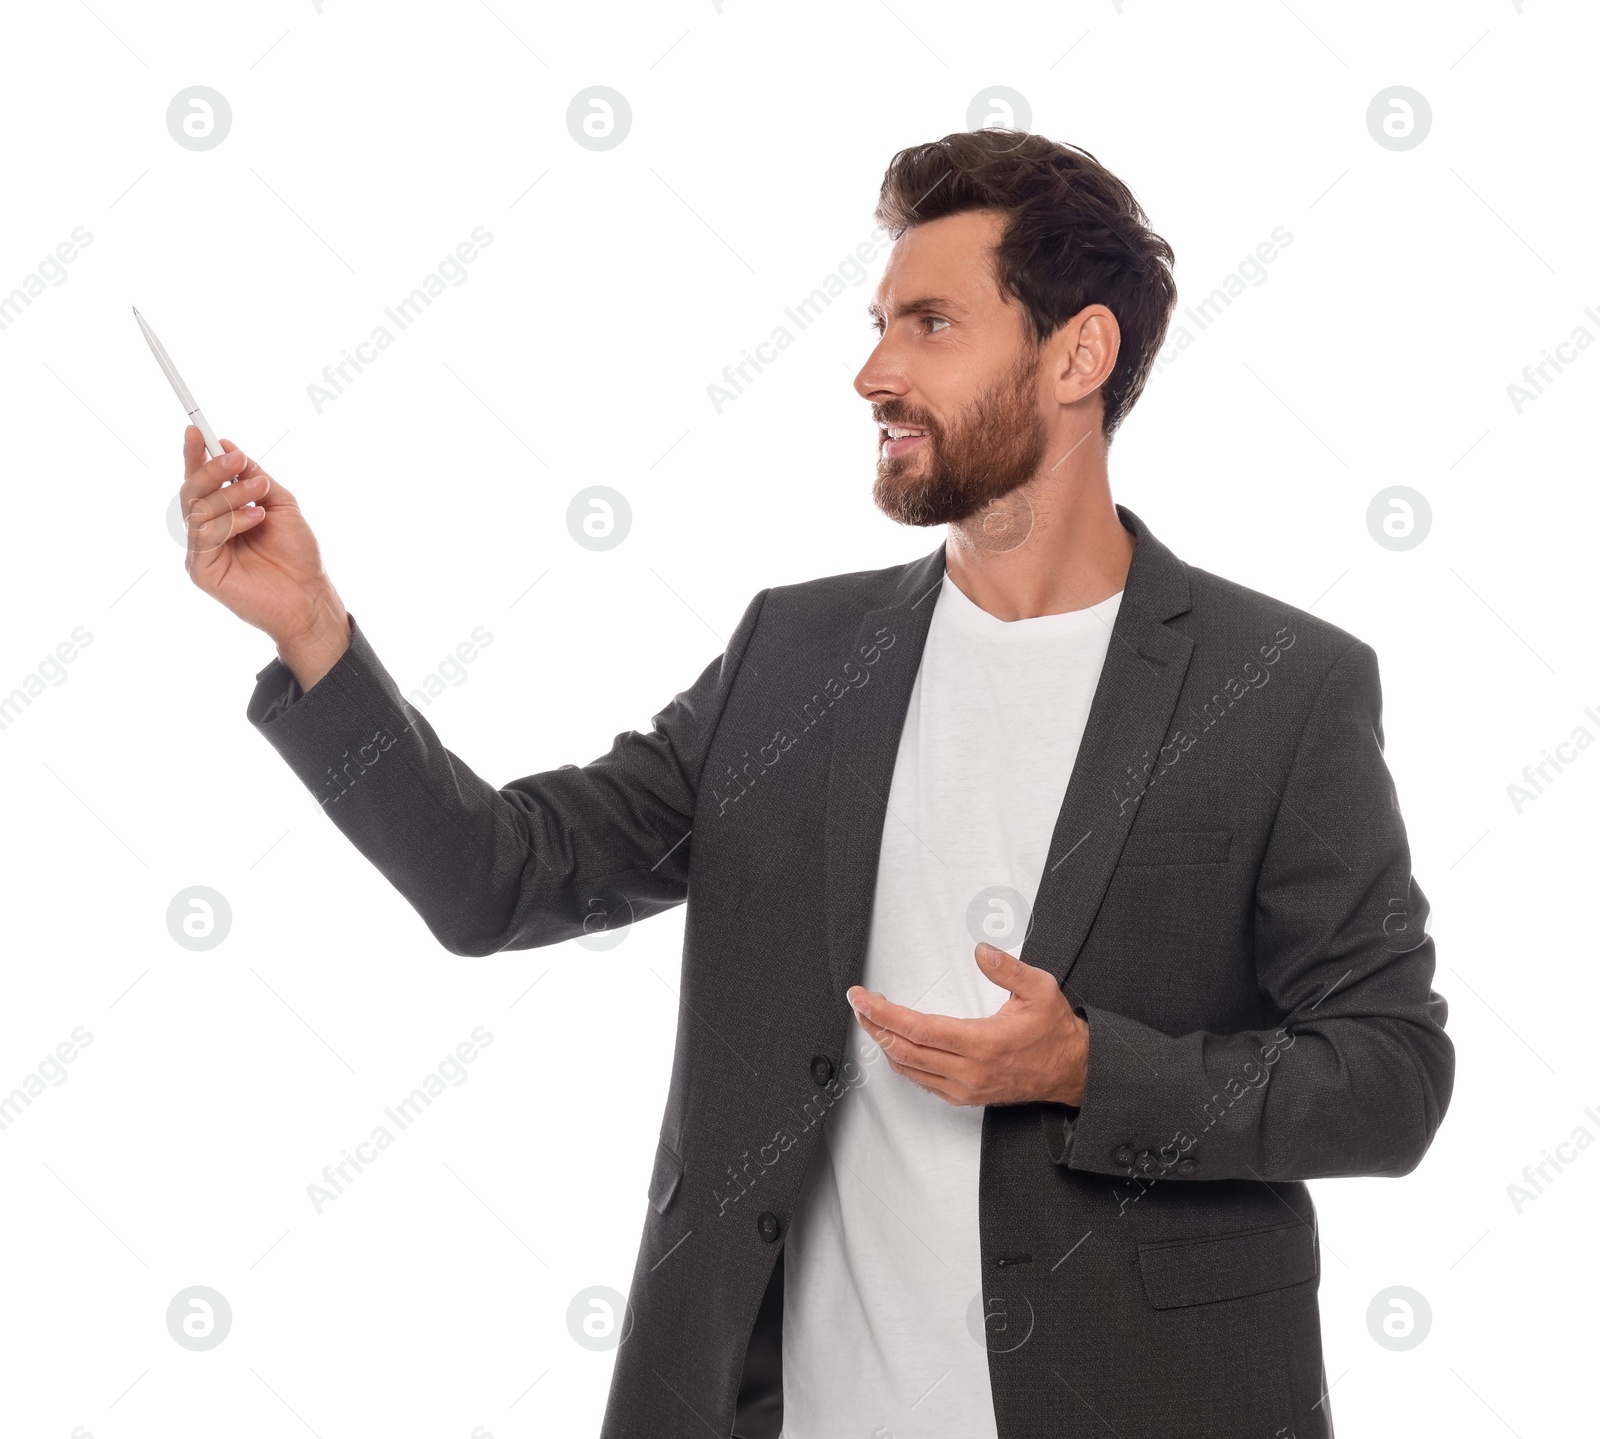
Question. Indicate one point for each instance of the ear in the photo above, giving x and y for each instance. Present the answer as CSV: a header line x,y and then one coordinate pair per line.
x,y
1083,353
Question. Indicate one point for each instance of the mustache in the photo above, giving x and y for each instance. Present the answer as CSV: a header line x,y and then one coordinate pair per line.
x,y
893,414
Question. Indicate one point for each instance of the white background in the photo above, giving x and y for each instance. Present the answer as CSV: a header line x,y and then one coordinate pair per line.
x,y
368,141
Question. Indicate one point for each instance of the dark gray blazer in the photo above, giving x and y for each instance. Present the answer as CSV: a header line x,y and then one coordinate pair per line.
x,y
1228,901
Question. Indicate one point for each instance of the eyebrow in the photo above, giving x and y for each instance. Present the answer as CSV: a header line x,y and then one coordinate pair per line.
x,y
919,306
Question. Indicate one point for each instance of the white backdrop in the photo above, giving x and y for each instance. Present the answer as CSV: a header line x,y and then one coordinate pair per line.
x,y
208,1089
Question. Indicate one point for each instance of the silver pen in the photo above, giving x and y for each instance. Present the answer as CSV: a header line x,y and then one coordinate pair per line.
x,y
195,413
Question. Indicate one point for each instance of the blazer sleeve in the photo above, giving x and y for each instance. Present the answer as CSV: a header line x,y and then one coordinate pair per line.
x,y
1356,1077
545,858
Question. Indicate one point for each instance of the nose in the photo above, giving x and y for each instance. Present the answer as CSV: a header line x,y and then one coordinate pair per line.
x,y
882,377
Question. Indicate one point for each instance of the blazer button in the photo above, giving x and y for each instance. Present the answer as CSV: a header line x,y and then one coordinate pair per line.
x,y
1123,1154
767,1226
1188,1166
821,1068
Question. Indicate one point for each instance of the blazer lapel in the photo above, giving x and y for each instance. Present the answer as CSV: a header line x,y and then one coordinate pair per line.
x,y
1132,707
861,764
1128,723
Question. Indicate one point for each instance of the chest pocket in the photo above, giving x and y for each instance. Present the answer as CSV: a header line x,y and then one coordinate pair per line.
x,y
1177,846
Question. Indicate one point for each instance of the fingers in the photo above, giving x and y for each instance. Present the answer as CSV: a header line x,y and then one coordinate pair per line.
x,y
219,501
934,1031
214,521
194,450
950,1070
906,1060
933,1083
203,477
214,514
959,1036
251,468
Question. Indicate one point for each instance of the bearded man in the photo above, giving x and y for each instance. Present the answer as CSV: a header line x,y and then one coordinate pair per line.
x,y
1050,913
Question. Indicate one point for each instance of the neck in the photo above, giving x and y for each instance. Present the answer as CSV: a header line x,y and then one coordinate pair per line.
x,y
1052,545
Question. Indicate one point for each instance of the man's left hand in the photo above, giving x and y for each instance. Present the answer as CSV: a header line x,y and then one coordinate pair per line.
x,y
1034,1047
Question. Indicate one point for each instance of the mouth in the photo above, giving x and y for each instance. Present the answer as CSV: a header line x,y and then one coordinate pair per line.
x,y
901,440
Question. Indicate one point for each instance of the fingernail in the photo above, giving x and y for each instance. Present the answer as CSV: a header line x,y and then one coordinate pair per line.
x,y
236,457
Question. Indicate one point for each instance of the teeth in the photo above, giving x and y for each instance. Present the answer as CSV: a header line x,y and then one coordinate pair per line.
x,y
897,433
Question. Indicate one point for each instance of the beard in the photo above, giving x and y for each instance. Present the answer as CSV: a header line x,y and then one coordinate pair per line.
x,y
992,447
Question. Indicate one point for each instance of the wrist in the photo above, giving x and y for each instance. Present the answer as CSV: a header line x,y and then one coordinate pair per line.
x,y
315,648
1075,1082
1071,1094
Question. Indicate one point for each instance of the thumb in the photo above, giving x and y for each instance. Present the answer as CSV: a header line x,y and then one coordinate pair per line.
x,y
1004,969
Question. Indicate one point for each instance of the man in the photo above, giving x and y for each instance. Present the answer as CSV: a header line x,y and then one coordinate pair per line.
x,y
1052,912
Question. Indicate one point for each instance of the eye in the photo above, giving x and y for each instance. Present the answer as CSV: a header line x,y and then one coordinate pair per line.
x,y
876,326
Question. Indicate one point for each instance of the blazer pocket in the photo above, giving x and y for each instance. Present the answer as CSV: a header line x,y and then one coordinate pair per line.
x,y
1177,846
1227,1266
664,1177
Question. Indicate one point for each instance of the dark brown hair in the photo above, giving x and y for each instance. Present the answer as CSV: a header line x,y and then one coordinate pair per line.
x,y
1074,236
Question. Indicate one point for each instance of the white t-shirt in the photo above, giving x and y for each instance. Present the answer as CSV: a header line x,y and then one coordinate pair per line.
x,y
882,1324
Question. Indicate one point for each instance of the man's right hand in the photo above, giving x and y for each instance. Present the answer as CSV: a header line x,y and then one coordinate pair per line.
x,y
260,559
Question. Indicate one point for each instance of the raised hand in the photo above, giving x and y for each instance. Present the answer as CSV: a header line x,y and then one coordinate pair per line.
x,y
251,549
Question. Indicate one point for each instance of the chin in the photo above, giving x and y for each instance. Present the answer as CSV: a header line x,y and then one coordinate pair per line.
x,y
895,494
908,502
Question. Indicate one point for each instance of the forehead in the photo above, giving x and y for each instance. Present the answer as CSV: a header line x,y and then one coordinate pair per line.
x,y
949,259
